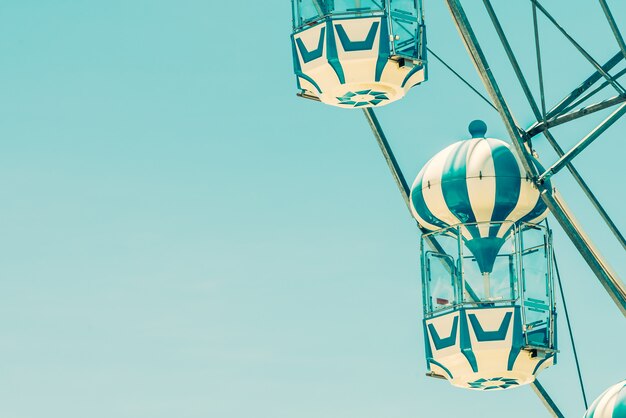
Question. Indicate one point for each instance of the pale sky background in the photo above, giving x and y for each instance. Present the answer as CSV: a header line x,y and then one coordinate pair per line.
x,y
181,236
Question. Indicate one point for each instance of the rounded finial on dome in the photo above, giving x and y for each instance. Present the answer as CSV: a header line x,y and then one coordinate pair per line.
x,y
477,128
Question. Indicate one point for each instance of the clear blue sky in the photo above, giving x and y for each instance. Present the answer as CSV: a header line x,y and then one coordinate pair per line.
x,y
181,236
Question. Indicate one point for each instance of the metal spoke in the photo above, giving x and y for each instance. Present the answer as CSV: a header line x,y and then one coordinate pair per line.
x,y
591,93
398,177
539,67
539,127
546,399
482,96
584,143
403,187
614,28
512,59
598,265
580,49
543,126
584,86
583,185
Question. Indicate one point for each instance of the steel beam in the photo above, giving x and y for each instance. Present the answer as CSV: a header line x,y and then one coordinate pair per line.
x,y
614,28
396,172
460,78
583,185
398,177
584,86
379,134
600,268
540,127
546,399
514,63
538,57
584,143
544,126
591,93
608,278
580,49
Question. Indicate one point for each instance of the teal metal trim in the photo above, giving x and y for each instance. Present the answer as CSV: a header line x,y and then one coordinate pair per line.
x,y
466,343
540,363
584,86
297,69
308,56
411,73
383,49
441,343
351,46
498,335
584,143
518,339
331,52
555,342
445,369
428,350
310,80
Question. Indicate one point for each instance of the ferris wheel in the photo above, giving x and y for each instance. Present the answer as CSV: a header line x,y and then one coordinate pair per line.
x,y
489,273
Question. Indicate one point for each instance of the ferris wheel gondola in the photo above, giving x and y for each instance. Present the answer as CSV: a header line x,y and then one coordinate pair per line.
x,y
358,54
488,265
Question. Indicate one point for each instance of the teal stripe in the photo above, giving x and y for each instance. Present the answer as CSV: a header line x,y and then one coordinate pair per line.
x,y
441,343
540,363
417,197
331,53
540,206
383,49
497,335
419,203
454,186
364,45
296,61
518,340
445,369
508,184
308,56
466,343
410,74
619,410
427,348
310,80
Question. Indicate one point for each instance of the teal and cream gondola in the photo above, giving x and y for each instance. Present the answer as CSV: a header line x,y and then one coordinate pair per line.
x,y
358,53
611,404
488,295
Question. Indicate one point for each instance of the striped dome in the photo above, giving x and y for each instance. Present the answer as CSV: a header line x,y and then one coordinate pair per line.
x,y
611,404
476,180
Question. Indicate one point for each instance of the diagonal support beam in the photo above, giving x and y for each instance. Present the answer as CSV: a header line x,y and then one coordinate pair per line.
x,y
398,177
580,49
396,172
540,127
514,63
614,28
584,143
592,93
544,126
546,399
403,186
598,265
583,185
584,86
